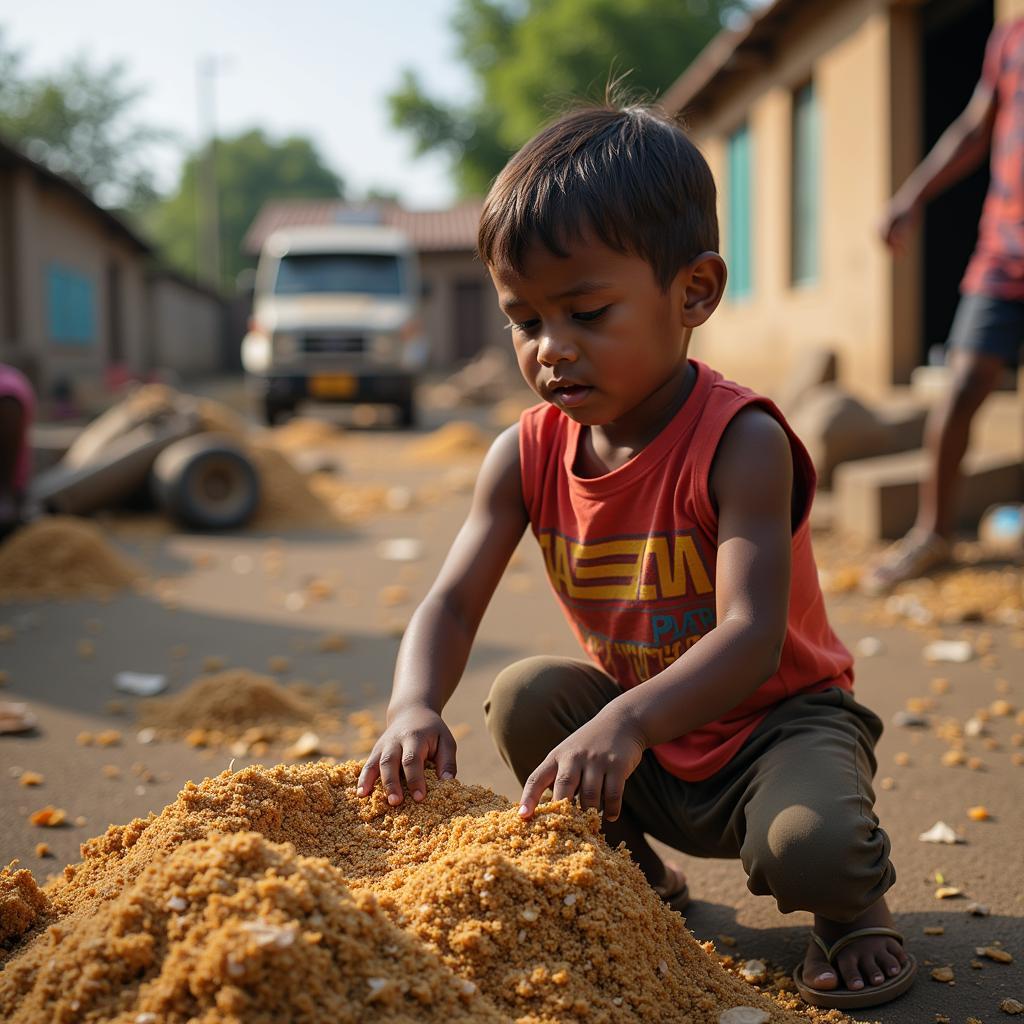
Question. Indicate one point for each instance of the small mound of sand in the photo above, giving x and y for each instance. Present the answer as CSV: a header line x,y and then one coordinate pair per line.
x,y
22,903
351,910
285,496
159,399
452,441
62,556
229,703
300,434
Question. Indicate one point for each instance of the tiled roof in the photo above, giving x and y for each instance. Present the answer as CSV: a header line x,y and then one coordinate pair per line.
x,y
451,230
10,154
732,50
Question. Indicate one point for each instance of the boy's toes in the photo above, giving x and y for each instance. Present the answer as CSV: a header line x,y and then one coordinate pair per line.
x,y
818,972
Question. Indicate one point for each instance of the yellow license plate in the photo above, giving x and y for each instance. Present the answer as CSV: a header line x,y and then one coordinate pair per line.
x,y
333,385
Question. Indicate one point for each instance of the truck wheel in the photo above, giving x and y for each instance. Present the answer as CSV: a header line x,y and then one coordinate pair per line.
x,y
275,413
407,413
206,482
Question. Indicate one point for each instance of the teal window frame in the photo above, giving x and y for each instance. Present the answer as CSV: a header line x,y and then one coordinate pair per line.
x,y
70,306
739,226
805,197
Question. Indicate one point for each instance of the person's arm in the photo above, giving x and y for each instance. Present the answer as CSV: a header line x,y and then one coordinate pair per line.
x,y
437,642
751,483
960,150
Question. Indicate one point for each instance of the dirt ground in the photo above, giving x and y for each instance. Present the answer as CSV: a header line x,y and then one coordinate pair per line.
x,y
218,599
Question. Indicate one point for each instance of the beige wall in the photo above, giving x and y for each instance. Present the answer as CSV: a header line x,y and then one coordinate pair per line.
x,y
188,328
1009,9
847,49
53,227
440,272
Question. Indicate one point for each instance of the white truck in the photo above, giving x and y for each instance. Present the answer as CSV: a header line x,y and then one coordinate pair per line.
x,y
335,319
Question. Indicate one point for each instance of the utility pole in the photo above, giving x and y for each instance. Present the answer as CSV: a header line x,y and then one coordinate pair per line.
x,y
208,258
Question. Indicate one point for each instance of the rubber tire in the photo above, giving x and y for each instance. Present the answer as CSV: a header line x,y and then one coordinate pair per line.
x,y
206,482
407,413
276,413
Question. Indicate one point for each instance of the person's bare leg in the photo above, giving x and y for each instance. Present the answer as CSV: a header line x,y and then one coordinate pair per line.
x,y
947,434
867,961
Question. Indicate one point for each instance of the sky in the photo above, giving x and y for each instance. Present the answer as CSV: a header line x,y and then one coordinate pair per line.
x,y
310,67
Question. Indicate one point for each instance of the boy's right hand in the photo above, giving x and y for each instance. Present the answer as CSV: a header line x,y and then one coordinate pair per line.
x,y
412,738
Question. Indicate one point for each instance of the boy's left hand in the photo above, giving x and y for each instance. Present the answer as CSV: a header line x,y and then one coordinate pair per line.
x,y
594,761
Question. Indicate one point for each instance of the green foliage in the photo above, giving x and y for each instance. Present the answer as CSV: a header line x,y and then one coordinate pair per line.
x,y
251,169
76,121
533,58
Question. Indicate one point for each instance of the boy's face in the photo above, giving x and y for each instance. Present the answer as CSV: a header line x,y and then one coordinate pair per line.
x,y
594,333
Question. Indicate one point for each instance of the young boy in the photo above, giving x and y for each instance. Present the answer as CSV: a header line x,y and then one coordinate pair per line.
x,y
672,507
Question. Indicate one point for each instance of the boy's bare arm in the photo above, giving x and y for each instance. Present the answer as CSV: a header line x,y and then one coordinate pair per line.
x,y
751,483
437,642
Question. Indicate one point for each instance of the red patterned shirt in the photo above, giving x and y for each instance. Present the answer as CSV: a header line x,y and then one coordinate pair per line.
x,y
997,267
631,557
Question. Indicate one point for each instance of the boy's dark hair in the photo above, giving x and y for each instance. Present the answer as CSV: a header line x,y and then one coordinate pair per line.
x,y
630,174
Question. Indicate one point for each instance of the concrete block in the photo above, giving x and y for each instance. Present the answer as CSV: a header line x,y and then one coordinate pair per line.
x,y
876,499
838,428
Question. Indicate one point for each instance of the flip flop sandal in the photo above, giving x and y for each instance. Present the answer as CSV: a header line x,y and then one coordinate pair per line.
x,y
845,998
907,559
679,898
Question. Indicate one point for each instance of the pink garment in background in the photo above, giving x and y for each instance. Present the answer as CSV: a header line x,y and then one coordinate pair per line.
x,y
14,384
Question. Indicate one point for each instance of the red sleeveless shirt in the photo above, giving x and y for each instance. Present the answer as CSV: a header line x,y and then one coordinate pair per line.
x,y
631,557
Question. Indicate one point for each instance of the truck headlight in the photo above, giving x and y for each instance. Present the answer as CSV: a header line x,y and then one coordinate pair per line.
x,y
256,352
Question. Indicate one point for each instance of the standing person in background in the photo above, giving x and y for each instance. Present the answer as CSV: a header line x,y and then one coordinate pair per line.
x,y
17,406
989,325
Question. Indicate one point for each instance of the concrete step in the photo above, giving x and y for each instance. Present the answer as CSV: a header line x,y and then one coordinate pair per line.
x,y
876,499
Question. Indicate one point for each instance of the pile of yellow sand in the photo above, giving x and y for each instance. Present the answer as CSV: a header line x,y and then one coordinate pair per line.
x,y
277,895
967,595
62,556
157,399
300,434
228,706
286,498
454,440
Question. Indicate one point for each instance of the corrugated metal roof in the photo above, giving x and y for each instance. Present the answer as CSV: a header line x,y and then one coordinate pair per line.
x,y
451,230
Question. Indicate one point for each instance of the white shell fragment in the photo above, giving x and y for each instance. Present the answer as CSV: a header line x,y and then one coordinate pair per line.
x,y
570,899
266,934
140,684
400,549
177,903
305,746
743,1015
869,647
978,909
754,971
940,832
975,727
949,650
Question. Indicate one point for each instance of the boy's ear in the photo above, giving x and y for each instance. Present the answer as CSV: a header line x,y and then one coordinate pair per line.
x,y
703,282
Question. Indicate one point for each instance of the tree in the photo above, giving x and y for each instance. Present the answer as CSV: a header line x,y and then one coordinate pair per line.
x,y
77,122
251,168
531,58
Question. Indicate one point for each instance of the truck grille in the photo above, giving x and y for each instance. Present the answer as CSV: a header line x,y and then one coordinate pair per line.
x,y
328,344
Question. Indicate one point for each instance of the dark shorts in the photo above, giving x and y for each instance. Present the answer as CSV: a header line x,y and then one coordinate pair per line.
x,y
988,326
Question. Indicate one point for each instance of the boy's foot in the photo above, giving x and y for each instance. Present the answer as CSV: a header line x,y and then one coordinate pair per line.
x,y
674,889
869,968
907,559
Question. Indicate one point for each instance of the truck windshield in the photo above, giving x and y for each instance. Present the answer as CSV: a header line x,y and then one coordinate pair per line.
x,y
363,273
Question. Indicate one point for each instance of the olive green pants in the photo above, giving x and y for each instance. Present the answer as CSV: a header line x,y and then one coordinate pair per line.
x,y
795,804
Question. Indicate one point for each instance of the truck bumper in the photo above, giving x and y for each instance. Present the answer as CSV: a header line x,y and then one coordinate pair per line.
x,y
337,387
